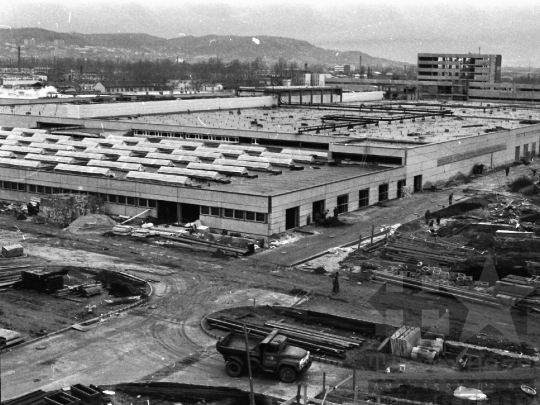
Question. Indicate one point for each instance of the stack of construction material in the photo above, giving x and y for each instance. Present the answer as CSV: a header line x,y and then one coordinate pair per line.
x,y
141,232
62,209
410,250
404,340
12,251
436,346
423,355
61,398
452,229
517,244
44,280
317,343
512,289
89,290
12,338
86,394
123,230
10,275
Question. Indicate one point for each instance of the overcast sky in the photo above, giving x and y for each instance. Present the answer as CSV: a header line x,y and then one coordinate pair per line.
x,y
396,30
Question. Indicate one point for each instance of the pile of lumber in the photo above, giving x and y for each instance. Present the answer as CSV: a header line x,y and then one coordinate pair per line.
x,y
452,229
444,290
339,322
10,275
315,344
439,254
122,230
32,398
518,244
85,290
12,338
321,337
404,340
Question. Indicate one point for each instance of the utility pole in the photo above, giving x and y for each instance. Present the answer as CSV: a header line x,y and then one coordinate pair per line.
x,y
3,345
251,394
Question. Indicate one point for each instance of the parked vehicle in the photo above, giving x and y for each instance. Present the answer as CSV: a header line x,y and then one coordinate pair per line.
x,y
271,354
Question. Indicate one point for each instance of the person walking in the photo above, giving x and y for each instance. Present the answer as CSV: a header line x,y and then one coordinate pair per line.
x,y
336,212
335,283
427,216
450,198
507,170
438,219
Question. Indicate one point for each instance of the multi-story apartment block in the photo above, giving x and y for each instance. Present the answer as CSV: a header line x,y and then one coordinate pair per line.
x,y
446,67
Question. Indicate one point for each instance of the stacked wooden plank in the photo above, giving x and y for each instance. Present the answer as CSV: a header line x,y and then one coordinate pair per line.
x,y
305,342
453,229
61,398
123,230
444,290
12,338
404,340
32,398
323,338
434,253
10,275
85,394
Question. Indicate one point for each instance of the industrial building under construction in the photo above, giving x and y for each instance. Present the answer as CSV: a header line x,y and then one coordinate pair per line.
x,y
255,165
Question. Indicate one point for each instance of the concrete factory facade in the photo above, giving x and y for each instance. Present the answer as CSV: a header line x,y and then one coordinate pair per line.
x,y
245,165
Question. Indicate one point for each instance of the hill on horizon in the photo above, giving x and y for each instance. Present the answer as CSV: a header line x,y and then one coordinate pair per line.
x,y
193,48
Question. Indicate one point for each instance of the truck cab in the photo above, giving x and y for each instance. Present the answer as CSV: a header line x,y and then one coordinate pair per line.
x,y
271,354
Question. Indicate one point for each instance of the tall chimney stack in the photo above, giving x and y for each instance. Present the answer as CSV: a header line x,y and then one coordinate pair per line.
x,y
19,58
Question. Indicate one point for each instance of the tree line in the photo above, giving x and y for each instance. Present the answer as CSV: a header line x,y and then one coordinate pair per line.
x,y
214,70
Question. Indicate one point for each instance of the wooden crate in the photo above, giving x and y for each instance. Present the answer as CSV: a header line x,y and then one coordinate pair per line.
x,y
12,251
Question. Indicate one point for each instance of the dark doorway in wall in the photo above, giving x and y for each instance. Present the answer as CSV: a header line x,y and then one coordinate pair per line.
x,y
518,153
189,212
318,207
400,191
291,218
167,211
418,183
383,192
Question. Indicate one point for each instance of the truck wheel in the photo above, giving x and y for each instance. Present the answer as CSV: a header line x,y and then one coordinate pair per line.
x,y
233,368
287,374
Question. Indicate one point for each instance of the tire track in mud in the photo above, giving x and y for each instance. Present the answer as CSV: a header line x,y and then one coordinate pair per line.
x,y
170,331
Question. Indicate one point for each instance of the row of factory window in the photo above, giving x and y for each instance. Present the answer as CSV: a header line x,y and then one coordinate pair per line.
x,y
179,135
110,198
233,214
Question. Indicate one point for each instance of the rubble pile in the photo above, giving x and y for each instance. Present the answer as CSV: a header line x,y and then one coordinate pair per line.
x,y
62,209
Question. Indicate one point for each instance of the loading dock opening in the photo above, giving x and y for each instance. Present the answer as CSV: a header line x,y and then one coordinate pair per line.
x,y
400,185
189,212
417,183
291,217
167,211
318,207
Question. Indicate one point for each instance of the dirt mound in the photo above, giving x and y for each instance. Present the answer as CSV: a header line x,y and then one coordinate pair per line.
x,y
520,183
91,223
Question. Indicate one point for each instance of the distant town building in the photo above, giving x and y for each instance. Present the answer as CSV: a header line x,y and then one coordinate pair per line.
x,y
467,67
123,86
83,76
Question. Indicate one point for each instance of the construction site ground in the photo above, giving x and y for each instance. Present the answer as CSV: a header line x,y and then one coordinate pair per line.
x,y
163,341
